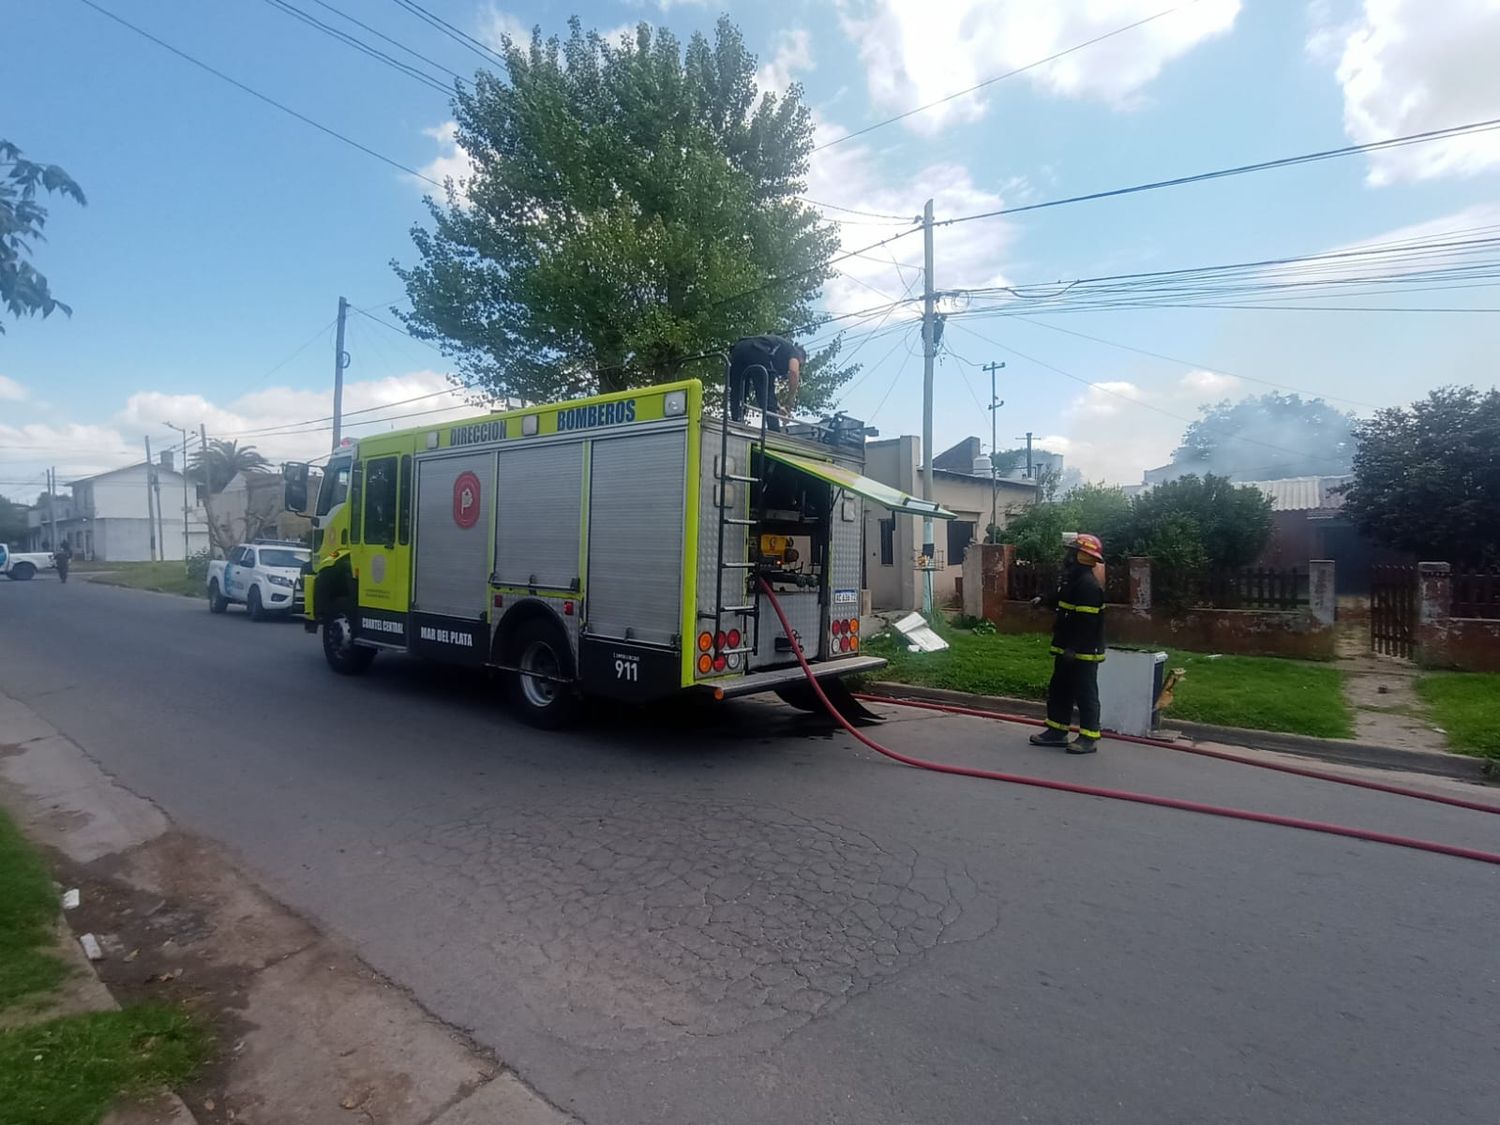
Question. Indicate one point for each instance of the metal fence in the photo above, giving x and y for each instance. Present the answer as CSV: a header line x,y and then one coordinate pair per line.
x,y
1476,593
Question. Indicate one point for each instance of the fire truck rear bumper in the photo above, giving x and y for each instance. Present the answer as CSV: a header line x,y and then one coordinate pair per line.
x,y
757,682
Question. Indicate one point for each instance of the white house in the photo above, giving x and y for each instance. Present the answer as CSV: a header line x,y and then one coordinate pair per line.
x,y
110,516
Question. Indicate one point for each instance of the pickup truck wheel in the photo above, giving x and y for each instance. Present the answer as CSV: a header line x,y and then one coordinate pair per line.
x,y
22,572
253,605
542,688
217,602
343,655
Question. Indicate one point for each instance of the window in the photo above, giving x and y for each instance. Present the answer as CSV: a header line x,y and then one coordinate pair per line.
x,y
380,502
334,488
404,515
273,557
242,556
356,501
960,535
888,542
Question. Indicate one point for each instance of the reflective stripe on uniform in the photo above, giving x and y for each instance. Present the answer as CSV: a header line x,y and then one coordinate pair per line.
x,y
1057,726
1055,651
1097,657
1094,734
1080,608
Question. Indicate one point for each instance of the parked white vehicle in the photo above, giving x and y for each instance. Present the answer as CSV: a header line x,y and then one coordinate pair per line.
x,y
21,566
264,576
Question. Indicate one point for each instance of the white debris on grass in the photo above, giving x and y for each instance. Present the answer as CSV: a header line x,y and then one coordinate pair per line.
x,y
91,948
70,899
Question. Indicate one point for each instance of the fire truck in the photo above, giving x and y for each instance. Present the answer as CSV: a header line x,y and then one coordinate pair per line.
x,y
613,546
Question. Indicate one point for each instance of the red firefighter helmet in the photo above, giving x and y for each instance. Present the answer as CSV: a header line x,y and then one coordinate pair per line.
x,y
1089,549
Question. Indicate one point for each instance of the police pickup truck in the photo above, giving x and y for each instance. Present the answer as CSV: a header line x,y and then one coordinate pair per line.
x,y
23,566
264,576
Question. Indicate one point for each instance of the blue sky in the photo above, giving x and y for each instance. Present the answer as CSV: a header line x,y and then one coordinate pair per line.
x,y
220,232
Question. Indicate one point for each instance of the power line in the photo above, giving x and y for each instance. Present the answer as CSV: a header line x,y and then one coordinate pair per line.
x,y
856,211
359,45
460,37
393,42
254,93
999,77
1242,169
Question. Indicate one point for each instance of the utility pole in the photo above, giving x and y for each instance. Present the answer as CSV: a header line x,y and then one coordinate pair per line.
x,y
995,405
152,524
183,431
52,506
929,351
208,489
340,361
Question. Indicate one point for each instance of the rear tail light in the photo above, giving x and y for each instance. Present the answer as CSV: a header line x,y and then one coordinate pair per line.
x,y
720,663
854,643
705,664
854,625
705,641
719,638
735,638
843,644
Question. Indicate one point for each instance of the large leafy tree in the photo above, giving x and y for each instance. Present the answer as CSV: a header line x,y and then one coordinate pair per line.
x,y
23,289
632,204
218,466
1268,437
1233,523
1427,476
12,521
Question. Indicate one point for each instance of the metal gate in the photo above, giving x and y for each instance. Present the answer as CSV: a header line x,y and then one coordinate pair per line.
x,y
1393,610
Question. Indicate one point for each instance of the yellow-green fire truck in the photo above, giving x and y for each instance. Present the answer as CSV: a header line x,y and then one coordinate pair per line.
x,y
611,546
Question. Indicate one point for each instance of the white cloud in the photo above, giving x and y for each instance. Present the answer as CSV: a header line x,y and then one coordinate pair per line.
x,y
916,53
855,175
496,25
1106,398
1410,66
12,391
793,57
295,418
453,161
1208,384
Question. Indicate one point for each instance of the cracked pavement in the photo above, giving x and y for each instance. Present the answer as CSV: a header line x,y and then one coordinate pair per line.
x,y
728,915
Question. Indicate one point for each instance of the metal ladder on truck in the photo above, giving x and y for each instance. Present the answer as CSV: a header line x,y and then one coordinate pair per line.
x,y
747,607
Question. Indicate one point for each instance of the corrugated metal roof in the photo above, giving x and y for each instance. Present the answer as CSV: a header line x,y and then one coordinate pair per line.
x,y
1301,494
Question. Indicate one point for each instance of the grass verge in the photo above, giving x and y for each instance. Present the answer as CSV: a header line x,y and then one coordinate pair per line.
x,y
1254,692
164,577
70,1071
1467,706
28,906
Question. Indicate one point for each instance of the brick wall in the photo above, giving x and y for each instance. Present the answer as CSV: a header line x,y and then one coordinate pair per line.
x,y
1470,644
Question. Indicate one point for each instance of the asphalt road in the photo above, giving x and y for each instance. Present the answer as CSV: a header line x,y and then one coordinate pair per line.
x,y
727,915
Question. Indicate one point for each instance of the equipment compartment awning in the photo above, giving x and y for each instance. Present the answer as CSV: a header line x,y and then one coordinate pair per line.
x,y
874,490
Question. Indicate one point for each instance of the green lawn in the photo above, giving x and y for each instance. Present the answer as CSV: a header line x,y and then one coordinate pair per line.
x,y
1257,692
1467,706
167,577
71,1070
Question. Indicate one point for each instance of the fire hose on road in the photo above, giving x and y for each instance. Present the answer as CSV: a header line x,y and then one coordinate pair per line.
x,y
1127,795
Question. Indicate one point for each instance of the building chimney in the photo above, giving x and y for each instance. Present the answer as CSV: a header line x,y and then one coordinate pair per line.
x,y
165,458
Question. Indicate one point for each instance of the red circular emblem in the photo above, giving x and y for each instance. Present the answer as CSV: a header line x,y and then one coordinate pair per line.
x,y
466,499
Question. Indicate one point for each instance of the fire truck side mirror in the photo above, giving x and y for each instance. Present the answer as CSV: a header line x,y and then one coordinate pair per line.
x,y
294,486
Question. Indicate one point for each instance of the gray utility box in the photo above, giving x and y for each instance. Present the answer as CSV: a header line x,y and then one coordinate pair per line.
x,y
1130,682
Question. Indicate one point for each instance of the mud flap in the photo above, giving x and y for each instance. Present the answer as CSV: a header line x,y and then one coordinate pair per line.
x,y
801,696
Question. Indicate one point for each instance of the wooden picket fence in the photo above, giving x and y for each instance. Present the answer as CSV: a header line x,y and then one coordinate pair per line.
x,y
1255,588
1393,610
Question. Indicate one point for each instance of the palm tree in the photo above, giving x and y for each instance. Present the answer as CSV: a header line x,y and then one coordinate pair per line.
x,y
218,465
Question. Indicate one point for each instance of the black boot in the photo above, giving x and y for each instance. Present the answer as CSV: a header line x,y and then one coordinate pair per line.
x,y
1049,737
1081,745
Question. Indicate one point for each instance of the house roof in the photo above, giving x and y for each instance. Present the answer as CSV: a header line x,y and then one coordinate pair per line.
x,y
1302,494
122,469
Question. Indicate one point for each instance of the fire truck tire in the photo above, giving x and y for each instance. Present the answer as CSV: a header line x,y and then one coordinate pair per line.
x,y
543,699
217,602
343,655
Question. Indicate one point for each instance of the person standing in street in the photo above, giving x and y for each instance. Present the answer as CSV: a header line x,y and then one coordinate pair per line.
x,y
62,557
1077,649
755,364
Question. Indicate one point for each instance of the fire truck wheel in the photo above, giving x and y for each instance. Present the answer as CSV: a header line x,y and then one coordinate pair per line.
x,y
541,688
339,649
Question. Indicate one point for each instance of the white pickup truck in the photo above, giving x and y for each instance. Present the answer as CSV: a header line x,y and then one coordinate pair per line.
x,y
20,566
264,576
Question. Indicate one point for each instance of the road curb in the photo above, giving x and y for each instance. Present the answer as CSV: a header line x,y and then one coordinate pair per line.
x,y
1324,749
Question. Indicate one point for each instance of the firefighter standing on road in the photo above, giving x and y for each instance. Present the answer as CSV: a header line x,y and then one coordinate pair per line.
x,y
1077,649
